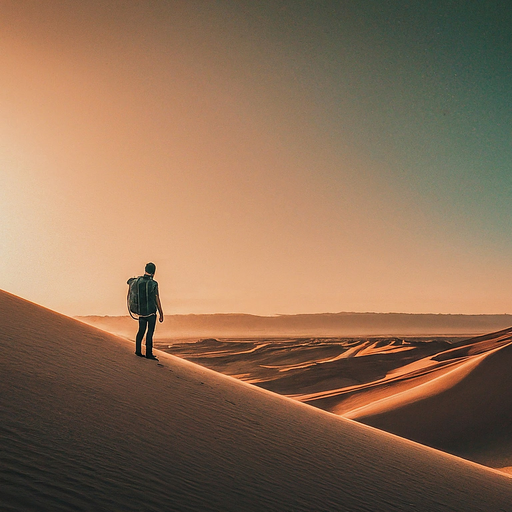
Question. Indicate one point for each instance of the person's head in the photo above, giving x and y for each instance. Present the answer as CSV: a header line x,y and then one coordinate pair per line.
x,y
150,269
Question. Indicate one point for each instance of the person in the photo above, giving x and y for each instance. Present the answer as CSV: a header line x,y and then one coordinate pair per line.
x,y
149,304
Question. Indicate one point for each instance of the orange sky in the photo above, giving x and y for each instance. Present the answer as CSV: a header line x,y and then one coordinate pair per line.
x,y
200,137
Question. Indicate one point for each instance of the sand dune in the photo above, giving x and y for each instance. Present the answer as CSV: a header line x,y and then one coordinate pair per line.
x,y
323,372
86,425
467,411
451,394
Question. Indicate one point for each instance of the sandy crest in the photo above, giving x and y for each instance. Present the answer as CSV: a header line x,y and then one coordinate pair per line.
x,y
86,425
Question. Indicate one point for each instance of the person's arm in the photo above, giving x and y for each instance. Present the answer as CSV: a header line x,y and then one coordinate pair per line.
x,y
160,311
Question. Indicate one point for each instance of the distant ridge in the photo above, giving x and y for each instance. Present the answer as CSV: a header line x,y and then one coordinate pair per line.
x,y
317,324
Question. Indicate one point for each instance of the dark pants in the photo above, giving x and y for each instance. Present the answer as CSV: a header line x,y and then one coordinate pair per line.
x,y
148,322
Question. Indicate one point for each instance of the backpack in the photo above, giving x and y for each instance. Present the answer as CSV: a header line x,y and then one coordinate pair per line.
x,y
133,297
141,296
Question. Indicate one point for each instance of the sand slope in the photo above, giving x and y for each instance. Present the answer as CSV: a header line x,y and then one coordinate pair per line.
x,y
86,425
466,411
405,386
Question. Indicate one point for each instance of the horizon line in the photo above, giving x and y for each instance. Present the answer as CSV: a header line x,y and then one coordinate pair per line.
x,y
326,313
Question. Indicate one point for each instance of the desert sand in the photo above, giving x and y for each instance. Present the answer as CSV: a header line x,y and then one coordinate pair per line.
x,y
87,425
448,393
465,406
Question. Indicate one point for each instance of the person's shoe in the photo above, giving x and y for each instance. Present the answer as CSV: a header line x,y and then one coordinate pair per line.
x,y
138,354
151,356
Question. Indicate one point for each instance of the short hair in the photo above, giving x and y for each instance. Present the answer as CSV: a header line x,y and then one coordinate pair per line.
x,y
150,268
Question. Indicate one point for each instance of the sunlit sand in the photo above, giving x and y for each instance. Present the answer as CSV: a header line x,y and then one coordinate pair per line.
x,y
86,425
449,393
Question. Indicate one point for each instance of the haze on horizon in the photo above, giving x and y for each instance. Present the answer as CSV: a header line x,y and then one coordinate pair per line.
x,y
269,157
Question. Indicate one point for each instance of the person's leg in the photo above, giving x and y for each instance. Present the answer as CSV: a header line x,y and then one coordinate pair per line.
x,y
143,322
149,335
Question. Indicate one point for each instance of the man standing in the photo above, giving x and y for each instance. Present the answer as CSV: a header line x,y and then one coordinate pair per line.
x,y
146,301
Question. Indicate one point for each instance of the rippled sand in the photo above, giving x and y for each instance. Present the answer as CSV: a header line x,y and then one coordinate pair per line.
x,y
453,394
86,425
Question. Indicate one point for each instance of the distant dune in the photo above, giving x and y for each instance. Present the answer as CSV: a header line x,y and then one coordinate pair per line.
x,y
86,425
326,324
464,407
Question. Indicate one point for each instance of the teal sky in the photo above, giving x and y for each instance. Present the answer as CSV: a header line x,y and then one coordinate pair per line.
x,y
270,157
420,88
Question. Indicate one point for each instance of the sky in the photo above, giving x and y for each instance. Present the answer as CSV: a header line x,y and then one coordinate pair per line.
x,y
271,157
